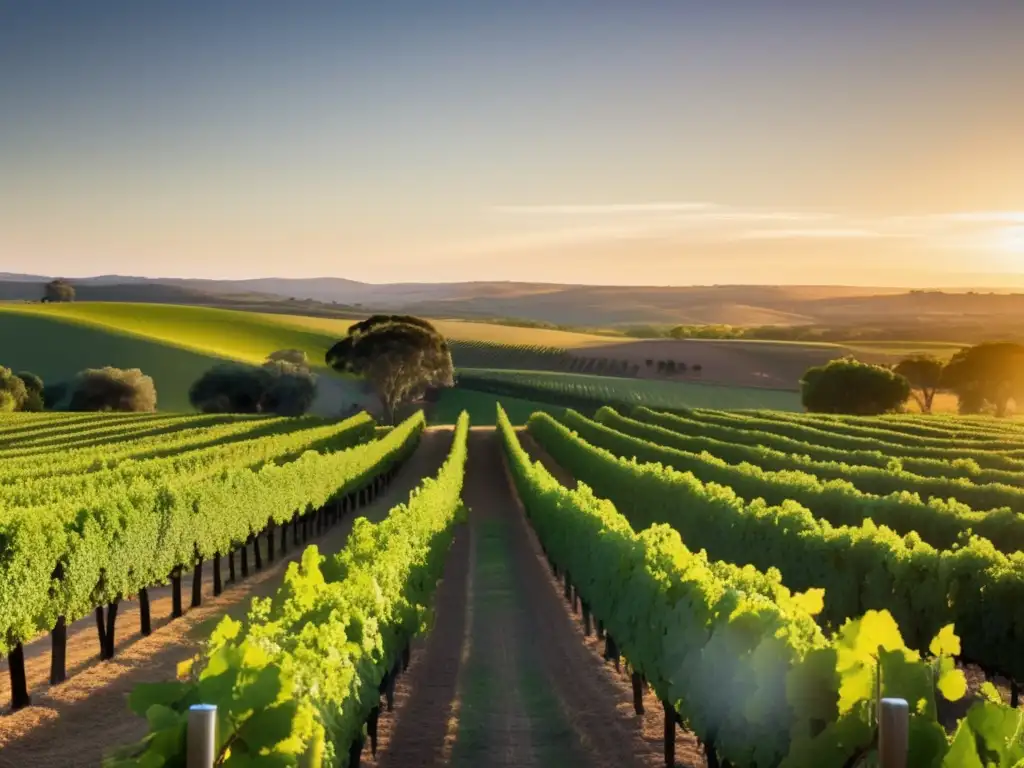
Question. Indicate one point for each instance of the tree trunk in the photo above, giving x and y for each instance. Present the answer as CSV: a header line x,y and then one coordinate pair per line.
x,y
670,734
295,531
197,584
257,556
145,627
218,585
111,624
270,542
19,682
371,728
58,651
176,611
284,538
101,630
231,565
244,557
638,693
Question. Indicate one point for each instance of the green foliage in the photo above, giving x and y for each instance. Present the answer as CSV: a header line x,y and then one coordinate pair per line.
x,y
986,375
112,389
850,386
13,392
278,387
924,372
860,567
59,290
295,684
400,355
587,393
296,357
116,531
839,493
825,442
736,653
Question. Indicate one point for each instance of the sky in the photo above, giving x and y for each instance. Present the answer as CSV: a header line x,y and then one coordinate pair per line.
x,y
645,142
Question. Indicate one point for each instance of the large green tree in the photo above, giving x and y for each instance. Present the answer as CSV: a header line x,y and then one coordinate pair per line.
x,y
924,372
277,387
13,392
400,355
850,386
59,290
112,389
986,376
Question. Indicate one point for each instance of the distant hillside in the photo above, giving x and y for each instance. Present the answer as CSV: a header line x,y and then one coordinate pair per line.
x,y
846,312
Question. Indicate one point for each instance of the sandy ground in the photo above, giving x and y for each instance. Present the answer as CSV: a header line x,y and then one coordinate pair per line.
x,y
74,723
506,677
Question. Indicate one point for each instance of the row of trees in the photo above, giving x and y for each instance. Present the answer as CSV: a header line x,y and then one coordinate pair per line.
x,y
94,389
283,385
671,366
22,391
986,378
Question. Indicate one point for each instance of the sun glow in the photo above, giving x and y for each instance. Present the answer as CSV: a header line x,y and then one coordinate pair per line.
x,y
1011,240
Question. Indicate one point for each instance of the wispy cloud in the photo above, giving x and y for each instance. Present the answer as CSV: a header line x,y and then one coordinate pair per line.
x,y
602,209
818,233
540,226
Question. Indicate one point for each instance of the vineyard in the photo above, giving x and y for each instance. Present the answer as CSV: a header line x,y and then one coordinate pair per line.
x,y
590,392
618,586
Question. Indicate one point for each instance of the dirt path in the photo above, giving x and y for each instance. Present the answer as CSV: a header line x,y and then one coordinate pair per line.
x,y
72,724
505,678
652,723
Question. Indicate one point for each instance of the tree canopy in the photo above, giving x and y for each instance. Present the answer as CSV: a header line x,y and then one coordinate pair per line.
x,y
400,355
277,387
12,391
294,356
850,386
924,372
112,389
986,376
59,290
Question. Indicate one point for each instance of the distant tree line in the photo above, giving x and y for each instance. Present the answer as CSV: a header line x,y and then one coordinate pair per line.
x,y
283,385
985,378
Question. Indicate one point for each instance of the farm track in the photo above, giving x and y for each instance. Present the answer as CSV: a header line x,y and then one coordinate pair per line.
x,y
506,677
73,724
652,723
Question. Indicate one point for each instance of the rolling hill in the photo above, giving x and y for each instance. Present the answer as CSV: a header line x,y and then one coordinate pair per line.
x,y
173,344
843,311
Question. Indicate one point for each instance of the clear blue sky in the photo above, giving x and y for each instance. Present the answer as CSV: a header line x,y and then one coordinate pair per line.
x,y
574,141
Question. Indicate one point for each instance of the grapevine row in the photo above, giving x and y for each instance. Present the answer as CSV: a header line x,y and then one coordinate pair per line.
x,y
880,481
55,569
751,674
925,427
937,521
66,489
302,678
863,567
1003,458
749,436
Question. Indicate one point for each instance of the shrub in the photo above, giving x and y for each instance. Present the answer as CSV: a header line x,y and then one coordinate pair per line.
x,y
112,389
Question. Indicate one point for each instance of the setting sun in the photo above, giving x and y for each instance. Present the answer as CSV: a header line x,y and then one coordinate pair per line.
x,y
1011,240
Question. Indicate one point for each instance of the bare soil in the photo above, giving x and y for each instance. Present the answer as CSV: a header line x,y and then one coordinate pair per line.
x,y
506,677
74,723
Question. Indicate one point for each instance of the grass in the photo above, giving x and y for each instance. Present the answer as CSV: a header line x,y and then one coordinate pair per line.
x,y
480,405
552,387
222,333
461,330
173,344
893,351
